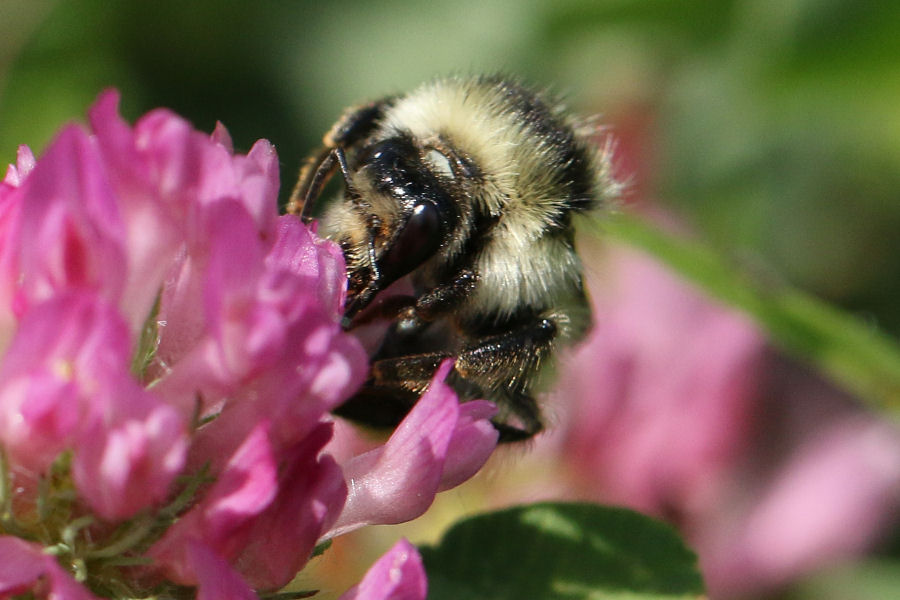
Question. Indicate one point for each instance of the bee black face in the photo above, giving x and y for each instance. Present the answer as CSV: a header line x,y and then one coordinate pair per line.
x,y
408,211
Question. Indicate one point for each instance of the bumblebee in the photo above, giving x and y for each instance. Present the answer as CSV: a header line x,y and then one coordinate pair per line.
x,y
456,223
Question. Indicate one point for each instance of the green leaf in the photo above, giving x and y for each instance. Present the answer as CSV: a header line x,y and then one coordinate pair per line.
x,y
852,354
564,551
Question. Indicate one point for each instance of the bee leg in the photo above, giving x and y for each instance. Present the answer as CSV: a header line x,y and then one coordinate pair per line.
x,y
445,298
504,366
378,406
412,372
357,123
393,388
496,367
436,302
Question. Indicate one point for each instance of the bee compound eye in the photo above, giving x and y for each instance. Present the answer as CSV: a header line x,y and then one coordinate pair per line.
x,y
416,242
440,163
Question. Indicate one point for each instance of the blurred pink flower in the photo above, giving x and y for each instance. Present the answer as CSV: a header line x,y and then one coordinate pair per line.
x,y
677,407
398,575
170,349
833,496
661,361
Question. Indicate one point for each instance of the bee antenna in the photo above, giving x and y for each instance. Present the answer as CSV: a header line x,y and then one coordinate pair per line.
x,y
338,154
313,177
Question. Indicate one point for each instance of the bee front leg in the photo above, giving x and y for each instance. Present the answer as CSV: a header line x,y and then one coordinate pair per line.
x,y
436,302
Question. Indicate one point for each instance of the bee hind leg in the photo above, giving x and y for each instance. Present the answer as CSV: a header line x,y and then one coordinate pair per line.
x,y
505,366
500,368
383,403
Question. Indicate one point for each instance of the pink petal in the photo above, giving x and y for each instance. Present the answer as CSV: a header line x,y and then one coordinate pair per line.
x,y
262,318
397,482
216,580
70,217
221,136
473,442
24,161
195,171
66,383
17,173
258,182
24,567
173,154
398,575
60,373
128,464
21,563
318,263
38,416
248,333
154,224
311,494
320,367
245,488
337,370
115,137
10,235
63,586
183,329
222,520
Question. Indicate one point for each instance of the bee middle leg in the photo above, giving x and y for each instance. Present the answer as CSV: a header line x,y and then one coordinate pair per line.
x,y
393,388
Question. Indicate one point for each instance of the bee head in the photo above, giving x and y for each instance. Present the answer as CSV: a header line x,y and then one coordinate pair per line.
x,y
401,196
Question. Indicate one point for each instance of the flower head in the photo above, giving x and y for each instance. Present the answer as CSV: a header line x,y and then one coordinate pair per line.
x,y
170,349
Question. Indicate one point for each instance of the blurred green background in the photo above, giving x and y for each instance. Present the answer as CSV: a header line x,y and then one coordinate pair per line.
x,y
771,126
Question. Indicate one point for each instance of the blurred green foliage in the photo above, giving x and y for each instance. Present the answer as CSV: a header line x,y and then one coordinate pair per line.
x,y
861,360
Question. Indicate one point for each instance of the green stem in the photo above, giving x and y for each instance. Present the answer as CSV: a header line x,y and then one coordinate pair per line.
x,y
128,541
71,530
